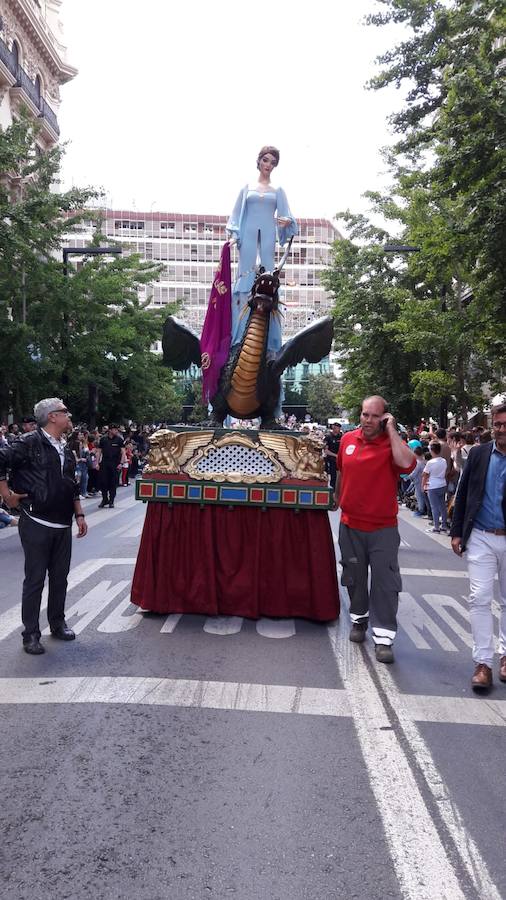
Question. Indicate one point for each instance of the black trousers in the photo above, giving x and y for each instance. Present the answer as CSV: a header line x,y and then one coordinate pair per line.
x,y
108,482
47,550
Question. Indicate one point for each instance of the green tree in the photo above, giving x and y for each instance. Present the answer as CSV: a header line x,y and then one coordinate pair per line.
x,y
78,336
451,145
199,412
368,294
33,217
322,397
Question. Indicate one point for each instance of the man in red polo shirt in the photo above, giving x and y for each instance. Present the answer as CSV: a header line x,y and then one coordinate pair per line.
x,y
369,463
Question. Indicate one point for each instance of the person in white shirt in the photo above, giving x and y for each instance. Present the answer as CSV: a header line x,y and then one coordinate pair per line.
x,y
434,482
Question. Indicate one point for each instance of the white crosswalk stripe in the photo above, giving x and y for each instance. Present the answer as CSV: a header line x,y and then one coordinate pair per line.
x,y
436,621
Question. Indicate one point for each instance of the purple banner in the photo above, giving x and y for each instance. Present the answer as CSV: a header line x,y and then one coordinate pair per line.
x,y
216,333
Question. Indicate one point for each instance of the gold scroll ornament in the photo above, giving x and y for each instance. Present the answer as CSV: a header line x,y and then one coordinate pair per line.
x,y
290,456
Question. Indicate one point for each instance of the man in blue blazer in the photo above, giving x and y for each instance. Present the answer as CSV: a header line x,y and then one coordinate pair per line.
x,y
479,529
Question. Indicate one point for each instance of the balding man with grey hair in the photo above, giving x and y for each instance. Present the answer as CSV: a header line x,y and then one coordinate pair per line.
x,y
41,470
370,460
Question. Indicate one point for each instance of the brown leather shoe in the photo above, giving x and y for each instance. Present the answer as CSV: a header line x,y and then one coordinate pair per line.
x,y
502,668
482,678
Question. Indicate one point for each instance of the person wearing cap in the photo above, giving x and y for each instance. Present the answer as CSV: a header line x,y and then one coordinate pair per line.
x,y
41,469
28,423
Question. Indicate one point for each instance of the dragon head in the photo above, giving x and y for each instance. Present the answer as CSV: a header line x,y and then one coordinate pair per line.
x,y
264,293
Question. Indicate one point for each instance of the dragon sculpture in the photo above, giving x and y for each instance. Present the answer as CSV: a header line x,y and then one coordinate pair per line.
x,y
250,383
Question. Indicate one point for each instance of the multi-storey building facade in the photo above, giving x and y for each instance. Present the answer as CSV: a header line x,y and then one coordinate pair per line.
x,y
33,64
189,248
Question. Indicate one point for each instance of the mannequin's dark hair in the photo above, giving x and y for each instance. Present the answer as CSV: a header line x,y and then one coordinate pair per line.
x,y
272,150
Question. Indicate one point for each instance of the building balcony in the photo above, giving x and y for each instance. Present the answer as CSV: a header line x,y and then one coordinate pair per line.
x,y
27,93
7,65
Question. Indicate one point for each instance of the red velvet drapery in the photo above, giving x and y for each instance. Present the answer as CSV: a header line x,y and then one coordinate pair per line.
x,y
241,562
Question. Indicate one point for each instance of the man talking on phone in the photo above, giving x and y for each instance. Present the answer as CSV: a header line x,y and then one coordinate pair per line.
x,y
370,460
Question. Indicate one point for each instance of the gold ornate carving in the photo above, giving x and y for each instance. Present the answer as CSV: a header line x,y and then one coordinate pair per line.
x,y
240,440
170,450
302,457
174,452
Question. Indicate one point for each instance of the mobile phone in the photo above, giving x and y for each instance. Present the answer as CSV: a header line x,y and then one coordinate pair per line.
x,y
383,423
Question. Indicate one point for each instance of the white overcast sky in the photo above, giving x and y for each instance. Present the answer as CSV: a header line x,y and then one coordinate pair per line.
x,y
174,99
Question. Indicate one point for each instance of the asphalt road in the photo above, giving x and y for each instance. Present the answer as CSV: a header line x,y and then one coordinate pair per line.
x,y
183,757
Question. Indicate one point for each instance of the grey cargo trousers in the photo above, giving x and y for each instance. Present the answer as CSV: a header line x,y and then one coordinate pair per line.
x,y
378,552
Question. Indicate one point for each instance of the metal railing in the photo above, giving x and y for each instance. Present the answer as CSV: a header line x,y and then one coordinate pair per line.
x,y
24,82
7,57
50,116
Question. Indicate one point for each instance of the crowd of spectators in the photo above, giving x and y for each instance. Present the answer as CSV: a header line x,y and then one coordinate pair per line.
x,y
441,460
427,490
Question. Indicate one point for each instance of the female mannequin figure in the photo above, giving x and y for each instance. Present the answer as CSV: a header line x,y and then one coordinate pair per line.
x,y
254,212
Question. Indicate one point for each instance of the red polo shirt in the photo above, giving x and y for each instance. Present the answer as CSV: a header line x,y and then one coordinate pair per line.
x,y
369,479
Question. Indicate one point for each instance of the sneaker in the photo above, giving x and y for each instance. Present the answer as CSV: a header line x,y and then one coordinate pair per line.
x,y
111,505
417,514
384,653
357,633
432,531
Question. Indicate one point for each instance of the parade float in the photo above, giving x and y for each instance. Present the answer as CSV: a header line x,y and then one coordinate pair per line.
x,y
237,519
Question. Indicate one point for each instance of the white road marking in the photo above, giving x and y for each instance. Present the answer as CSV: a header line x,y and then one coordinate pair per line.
x,y
11,619
453,710
170,623
223,625
117,621
276,628
420,860
414,620
252,698
426,573
443,604
177,692
91,605
405,707
435,573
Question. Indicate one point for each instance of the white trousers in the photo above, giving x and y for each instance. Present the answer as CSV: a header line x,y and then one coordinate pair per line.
x,y
486,558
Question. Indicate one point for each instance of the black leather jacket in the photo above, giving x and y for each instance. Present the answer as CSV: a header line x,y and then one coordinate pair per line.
x,y
33,467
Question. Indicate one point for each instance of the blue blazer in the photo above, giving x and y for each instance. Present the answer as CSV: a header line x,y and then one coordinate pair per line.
x,y
470,492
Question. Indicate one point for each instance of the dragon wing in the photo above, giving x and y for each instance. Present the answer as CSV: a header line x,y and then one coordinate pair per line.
x,y
180,345
312,344
283,446
187,442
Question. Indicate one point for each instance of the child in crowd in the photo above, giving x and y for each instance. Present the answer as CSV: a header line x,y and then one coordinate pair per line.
x,y
416,479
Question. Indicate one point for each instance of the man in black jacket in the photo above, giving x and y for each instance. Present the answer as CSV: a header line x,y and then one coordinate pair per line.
x,y
41,469
479,527
111,445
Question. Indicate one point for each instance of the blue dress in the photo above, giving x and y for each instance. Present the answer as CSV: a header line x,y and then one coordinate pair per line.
x,y
255,212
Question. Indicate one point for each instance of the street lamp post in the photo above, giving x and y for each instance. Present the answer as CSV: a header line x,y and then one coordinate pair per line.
x,y
92,387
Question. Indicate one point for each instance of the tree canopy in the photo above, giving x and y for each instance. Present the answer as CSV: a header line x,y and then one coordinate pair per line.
x,y
65,335
438,315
